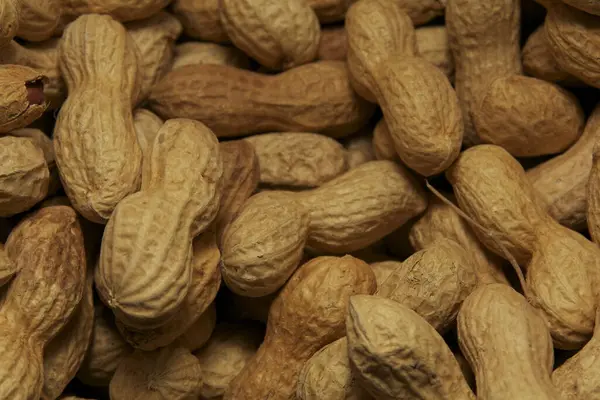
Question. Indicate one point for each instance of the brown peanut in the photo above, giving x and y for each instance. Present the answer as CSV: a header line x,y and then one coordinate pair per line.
x,y
199,332
95,52
298,159
507,344
316,97
48,249
194,53
306,315
330,10
179,199
7,268
9,20
38,20
23,96
386,335
433,46
147,124
200,19
333,44
359,150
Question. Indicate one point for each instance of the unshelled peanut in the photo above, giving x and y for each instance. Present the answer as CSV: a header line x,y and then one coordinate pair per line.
x,y
9,20
194,53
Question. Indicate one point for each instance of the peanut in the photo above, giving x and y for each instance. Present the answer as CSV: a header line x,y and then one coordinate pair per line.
x,y
433,46
200,19
48,249
7,268
198,334
562,181
330,10
492,188
9,20
38,20
383,144
333,44
23,97
286,35
121,10
298,159
588,6
106,350
422,11
225,355
386,335
179,199
96,52
169,373
528,117
194,53
24,175
306,315
147,124
574,39
359,150
507,344
155,39
484,39
204,283
312,98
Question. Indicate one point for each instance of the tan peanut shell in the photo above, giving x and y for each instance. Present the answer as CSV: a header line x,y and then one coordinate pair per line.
x,y
64,354
330,10
295,159
147,124
422,11
507,344
384,335
286,34
263,245
169,373
10,11
205,280
359,150
39,19
106,350
96,52
484,39
433,46
179,199
7,268
200,19
225,355
194,53
383,145
441,222
42,57
327,375
48,249
361,206
23,96
527,116
562,181
316,97
333,44
593,195
573,38
241,174
307,314
155,39
121,10
539,62
432,282
200,331
376,30
24,175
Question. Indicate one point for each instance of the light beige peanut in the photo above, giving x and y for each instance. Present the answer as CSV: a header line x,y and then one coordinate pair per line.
x,y
65,352
225,355
38,20
9,20
200,19
316,97
48,249
23,96
42,57
539,62
263,245
359,150
121,10
241,174
198,333
507,344
492,189
294,159
484,39
7,268
169,373
179,200
194,53
527,116
386,335
420,106
361,206
440,222
307,314
155,39
333,44
96,52
286,35
573,39
204,283
24,175
433,46
146,124
562,181
106,350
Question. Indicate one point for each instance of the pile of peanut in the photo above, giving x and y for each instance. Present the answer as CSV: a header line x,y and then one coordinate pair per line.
x,y
299,199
